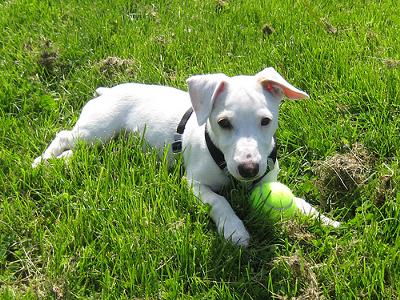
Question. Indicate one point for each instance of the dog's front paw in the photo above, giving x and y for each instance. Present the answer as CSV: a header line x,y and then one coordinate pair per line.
x,y
329,222
235,231
333,223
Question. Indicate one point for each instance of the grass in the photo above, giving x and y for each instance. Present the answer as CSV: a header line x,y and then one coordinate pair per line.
x,y
117,223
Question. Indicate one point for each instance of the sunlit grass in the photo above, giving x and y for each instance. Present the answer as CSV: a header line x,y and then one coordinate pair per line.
x,y
116,222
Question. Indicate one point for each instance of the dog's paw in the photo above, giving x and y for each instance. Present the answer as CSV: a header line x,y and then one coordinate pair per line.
x,y
235,232
66,155
240,239
38,160
329,222
333,223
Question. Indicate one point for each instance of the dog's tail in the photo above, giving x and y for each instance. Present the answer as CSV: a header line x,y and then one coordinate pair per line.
x,y
100,91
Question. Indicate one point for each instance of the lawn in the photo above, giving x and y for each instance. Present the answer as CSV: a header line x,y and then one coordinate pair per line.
x,y
116,223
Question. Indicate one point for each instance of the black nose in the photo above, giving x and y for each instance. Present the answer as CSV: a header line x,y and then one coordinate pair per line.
x,y
248,169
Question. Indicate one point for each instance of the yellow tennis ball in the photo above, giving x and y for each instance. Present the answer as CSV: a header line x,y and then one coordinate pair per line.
x,y
273,199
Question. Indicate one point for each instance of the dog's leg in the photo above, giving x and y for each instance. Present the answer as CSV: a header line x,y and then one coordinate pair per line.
x,y
308,210
227,222
66,154
99,121
62,145
59,147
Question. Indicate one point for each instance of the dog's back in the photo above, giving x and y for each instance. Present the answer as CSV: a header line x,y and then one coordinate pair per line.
x,y
134,107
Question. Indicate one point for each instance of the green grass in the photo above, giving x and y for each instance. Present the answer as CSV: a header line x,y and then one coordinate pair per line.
x,y
117,223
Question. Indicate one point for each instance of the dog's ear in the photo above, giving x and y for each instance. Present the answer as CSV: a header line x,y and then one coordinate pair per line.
x,y
203,90
274,83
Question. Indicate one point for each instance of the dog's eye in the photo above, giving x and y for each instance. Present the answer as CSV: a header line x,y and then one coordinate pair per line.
x,y
265,121
224,123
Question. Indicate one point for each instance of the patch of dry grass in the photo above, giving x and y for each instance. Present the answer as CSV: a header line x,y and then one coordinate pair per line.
x,y
342,173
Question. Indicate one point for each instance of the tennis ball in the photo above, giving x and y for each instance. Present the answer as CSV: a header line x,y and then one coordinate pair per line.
x,y
274,200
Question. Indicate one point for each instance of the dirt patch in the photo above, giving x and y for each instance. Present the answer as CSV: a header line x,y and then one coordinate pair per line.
x,y
220,5
328,26
342,174
302,271
58,290
48,59
386,188
113,65
391,63
268,29
298,231
48,54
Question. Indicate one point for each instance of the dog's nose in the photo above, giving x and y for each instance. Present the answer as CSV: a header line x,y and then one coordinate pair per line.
x,y
248,169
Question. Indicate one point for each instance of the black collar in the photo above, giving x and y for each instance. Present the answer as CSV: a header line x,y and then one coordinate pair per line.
x,y
177,143
215,153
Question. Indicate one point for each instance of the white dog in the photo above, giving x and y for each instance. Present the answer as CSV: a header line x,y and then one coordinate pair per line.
x,y
230,134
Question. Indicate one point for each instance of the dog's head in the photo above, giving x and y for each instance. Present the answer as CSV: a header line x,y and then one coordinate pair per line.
x,y
242,116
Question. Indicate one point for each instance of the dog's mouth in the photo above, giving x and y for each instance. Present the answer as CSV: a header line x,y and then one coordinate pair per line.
x,y
248,179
